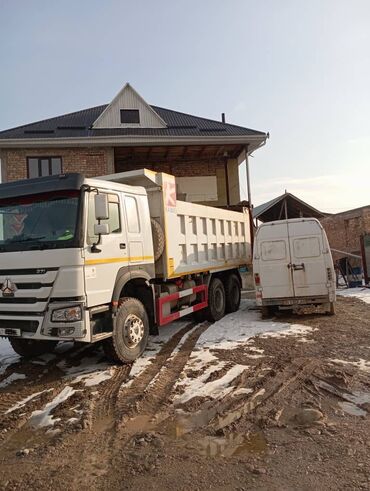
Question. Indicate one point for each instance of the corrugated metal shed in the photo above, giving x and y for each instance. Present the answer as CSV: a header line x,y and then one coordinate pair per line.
x,y
285,206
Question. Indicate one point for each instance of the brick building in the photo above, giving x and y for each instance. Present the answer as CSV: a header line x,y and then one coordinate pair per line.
x,y
344,231
128,134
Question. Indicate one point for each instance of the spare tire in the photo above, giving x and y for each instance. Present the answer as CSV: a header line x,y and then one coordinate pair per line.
x,y
158,239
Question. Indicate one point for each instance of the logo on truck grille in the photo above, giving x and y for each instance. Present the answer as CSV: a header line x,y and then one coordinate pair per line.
x,y
8,288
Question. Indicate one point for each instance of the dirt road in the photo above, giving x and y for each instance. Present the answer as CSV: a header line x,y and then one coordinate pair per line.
x,y
240,404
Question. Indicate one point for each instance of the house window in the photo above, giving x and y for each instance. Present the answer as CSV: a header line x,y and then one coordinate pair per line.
x,y
43,166
130,116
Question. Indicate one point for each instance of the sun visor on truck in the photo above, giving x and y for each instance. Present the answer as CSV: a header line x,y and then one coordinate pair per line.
x,y
40,185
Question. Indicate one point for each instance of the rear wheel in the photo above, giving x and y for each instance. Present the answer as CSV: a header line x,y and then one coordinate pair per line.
x,y
31,347
268,311
130,332
232,293
216,301
330,308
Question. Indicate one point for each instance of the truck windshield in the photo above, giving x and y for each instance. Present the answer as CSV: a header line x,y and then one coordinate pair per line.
x,y
43,221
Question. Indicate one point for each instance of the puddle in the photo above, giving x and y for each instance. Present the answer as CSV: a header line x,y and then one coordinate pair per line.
x,y
352,409
232,445
351,400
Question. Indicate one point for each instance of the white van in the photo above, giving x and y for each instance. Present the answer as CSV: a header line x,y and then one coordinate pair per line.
x,y
293,266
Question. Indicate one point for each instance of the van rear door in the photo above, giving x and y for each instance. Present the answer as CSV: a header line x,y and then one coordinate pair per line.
x,y
307,258
273,260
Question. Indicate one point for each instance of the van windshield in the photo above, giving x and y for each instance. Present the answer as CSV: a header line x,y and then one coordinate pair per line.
x,y
43,221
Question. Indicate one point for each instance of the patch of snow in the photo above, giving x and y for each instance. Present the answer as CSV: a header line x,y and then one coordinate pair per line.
x,y
24,401
42,417
198,386
242,390
12,378
361,364
94,378
291,330
7,355
361,293
234,330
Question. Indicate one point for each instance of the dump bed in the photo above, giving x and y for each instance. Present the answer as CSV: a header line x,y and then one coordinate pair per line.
x,y
197,237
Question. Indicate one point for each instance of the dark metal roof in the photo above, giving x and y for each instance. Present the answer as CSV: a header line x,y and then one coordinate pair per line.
x,y
79,125
275,209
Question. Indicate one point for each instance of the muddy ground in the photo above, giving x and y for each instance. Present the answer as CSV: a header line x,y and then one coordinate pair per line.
x,y
295,416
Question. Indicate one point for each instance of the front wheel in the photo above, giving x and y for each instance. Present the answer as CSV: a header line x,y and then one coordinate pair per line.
x,y
31,347
130,332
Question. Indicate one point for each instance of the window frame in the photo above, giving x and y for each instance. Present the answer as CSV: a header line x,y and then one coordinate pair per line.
x,y
39,159
113,198
131,111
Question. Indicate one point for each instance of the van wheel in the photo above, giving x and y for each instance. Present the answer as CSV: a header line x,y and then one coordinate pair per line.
x,y
232,293
267,311
216,301
330,308
31,347
130,332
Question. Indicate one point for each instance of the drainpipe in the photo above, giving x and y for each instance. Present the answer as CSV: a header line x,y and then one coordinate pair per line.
x,y
249,199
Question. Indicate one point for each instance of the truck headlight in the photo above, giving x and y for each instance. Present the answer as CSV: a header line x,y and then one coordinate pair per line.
x,y
69,314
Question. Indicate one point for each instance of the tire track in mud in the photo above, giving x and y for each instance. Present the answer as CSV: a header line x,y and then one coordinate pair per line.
x,y
112,405
146,398
266,393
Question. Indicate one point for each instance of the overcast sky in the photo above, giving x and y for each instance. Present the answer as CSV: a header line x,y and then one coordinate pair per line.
x,y
296,68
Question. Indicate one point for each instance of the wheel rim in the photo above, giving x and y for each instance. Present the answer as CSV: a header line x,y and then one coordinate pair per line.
x,y
133,330
219,300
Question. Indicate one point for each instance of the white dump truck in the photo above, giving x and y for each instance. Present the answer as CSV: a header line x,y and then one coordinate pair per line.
x,y
293,265
112,259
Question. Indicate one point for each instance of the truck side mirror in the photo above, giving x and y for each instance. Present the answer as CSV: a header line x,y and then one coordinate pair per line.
x,y
101,207
101,229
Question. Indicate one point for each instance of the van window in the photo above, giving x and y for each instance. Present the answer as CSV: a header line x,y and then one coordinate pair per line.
x,y
114,220
306,247
273,250
133,224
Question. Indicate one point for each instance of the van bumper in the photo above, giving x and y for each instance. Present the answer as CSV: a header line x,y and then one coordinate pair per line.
x,y
287,302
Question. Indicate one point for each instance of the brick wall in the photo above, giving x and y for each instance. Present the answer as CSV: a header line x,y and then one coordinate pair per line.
x,y
345,229
88,161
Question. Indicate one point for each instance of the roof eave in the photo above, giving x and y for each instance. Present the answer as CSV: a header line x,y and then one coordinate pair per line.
x,y
253,141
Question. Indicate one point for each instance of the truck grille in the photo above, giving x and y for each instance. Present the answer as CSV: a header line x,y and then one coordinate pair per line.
x,y
31,292
23,325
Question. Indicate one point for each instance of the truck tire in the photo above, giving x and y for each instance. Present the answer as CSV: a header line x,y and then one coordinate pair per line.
x,y
216,301
232,292
130,332
31,347
158,239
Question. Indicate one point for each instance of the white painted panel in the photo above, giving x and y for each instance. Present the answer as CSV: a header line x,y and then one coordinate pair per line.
x,y
128,98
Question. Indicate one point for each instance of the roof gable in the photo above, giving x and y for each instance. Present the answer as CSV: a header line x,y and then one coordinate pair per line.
x,y
128,98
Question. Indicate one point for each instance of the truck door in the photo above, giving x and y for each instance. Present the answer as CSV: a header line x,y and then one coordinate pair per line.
x,y
307,264
101,267
135,243
274,258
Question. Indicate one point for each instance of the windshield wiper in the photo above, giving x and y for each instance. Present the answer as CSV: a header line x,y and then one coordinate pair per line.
x,y
15,240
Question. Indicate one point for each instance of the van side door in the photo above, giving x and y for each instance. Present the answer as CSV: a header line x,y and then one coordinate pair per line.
x,y
273,259
308,264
